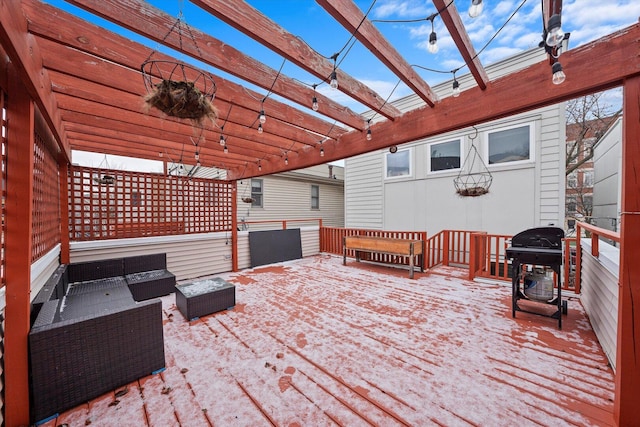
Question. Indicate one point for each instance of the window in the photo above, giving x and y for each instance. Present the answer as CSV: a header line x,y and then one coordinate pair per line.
x,y
256,193
315,197
572,180
444,155
572,205
587,179
510,145
398,164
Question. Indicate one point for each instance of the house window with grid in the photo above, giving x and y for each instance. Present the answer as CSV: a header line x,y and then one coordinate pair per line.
x,y
398,164
256,192
444,155
315,197
572,180
510,145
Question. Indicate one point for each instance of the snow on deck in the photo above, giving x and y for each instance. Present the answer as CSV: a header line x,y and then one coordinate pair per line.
x,y
313,343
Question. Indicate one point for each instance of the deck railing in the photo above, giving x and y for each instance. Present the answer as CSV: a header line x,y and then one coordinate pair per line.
x,y
281,224
482,253
331,239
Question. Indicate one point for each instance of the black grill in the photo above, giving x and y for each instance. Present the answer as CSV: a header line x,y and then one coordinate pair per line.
x,y
537,247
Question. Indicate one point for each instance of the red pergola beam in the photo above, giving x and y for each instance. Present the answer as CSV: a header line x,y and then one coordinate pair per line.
x,y
453,22
351,17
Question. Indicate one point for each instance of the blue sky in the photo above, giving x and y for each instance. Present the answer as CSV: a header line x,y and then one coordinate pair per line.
x,y
586,20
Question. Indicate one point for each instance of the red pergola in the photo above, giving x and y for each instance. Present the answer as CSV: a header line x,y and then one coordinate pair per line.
x,y
87,85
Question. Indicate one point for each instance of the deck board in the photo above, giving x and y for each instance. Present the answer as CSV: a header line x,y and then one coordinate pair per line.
x,y
311,342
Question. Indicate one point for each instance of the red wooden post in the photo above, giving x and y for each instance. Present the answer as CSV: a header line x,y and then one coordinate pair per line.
x,y
20,157
64,211
595,244
626,408
473,254
445,247
578,276
234,226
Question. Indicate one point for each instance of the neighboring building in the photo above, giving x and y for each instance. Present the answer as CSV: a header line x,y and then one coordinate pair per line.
x,y
413,189
607,164
314,192
581,141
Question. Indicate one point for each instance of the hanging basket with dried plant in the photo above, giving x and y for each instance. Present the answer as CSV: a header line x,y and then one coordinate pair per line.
x,y
179,90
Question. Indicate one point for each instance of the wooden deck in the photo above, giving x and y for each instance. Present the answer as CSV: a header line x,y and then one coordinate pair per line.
x,y
313,342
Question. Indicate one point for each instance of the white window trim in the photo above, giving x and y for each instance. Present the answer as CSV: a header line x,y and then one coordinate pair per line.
x,y
532,145
463,142
400,177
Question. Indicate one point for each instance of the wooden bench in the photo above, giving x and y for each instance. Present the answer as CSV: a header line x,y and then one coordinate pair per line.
x,y
383,245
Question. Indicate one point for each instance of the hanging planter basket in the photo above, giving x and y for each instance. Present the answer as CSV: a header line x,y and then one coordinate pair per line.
x,y
179,90
105,179
475,181
248,199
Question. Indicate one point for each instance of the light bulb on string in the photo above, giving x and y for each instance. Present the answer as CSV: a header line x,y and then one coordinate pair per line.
x,y
286,160
555,35
334,80
369,135
558,74
321,151
226,149
197,156
260,128
259,166
314,100
456,88
263,117
222,139
476,8
432,47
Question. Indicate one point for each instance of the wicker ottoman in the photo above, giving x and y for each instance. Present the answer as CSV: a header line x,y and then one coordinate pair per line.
x,y
204,297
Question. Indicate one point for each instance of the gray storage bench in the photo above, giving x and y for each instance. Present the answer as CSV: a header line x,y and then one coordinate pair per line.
x,y
94,330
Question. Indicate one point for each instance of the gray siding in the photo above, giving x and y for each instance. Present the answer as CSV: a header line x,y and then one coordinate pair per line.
x,y
599,294
607,165
288,196
522,196
363,192
188,256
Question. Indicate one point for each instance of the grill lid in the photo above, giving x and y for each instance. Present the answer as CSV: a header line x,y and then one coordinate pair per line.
x,y
540,237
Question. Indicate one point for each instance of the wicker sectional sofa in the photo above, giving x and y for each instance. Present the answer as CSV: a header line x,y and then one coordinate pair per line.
x,y
96,326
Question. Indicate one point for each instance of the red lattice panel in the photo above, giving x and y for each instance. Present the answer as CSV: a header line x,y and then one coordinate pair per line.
x,y
112,204
46,199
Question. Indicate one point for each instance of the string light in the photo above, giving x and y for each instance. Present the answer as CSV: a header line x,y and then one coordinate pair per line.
x,y
321,151
456,86
369,130
555,35
197,156
286,159
558,75
263,117
433,38
259,166
476,8
334,80
226,149
222,139
334,76
314,100
260,128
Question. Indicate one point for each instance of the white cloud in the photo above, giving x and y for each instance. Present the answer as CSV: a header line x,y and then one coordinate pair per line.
x,y
402,9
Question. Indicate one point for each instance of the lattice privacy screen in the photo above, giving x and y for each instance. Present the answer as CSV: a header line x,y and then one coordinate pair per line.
x,y
111,204
46,199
